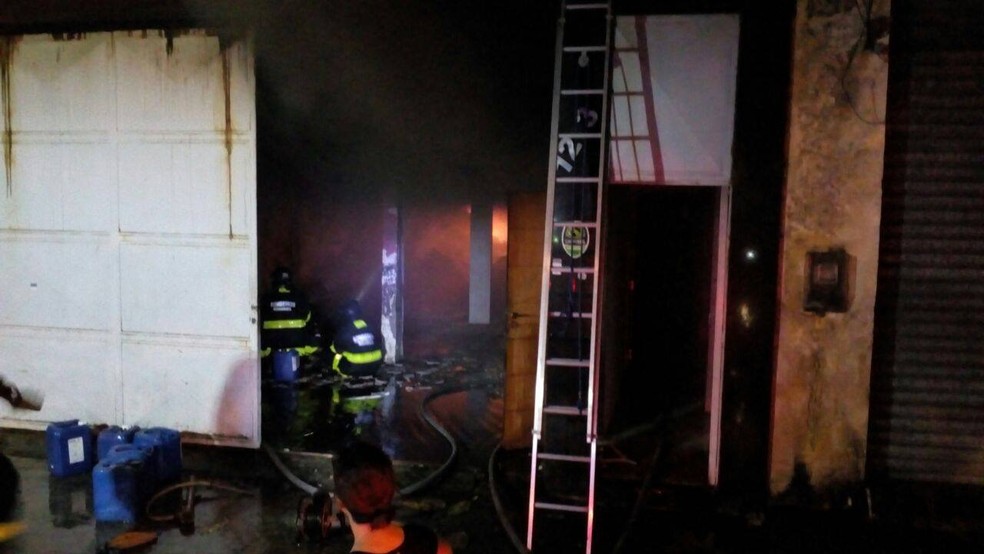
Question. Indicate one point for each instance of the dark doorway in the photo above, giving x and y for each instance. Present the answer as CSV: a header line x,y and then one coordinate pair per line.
x,y
659,264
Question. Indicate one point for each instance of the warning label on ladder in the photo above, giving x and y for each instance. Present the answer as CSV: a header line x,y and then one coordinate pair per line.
x,y
575,241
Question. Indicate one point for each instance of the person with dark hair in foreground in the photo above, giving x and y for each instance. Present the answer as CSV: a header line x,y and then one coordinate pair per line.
x,y
365,485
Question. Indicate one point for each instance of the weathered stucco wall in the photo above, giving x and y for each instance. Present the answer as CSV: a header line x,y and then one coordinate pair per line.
x,y
833,200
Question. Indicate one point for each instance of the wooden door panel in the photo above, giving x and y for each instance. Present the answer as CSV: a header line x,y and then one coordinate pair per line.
x,y
525,266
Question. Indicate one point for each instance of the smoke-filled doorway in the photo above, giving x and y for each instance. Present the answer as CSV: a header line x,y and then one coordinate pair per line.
x,y
437,252
659,266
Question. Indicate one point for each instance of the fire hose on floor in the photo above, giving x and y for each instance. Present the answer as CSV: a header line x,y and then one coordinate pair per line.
x,y
317,516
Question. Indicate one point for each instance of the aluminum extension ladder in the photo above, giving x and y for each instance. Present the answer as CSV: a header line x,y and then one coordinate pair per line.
x,y
564,446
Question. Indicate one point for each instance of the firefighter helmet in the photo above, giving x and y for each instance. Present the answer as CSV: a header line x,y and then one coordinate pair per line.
x,y
352,309
280,276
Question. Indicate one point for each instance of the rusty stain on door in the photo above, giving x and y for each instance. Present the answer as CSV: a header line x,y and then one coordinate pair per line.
x,y
227,89
6,52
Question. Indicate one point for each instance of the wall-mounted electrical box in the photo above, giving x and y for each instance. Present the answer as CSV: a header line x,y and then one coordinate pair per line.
x,y
826,281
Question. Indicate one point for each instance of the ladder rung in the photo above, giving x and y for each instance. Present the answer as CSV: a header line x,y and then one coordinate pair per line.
x,y
578,315
564,457
561,507
578,179
564,410
580,135
588,224
560,270
586,48
576,91
586,6
568,362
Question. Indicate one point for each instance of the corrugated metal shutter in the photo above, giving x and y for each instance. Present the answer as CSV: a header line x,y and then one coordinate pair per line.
x,y
927,390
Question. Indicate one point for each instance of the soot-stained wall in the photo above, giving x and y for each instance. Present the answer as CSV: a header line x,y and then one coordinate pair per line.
x,y
833,200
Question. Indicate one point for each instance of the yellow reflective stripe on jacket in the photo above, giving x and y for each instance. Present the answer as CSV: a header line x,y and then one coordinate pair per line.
x,y
285,324
355,406
363,357
360,324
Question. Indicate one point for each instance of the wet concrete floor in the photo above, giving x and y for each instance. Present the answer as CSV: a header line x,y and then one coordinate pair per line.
x,y
245,503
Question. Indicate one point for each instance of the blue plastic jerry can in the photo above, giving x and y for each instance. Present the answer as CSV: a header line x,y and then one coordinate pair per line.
x,y
166,459
121,484
70,448
286,365
143,452
112,436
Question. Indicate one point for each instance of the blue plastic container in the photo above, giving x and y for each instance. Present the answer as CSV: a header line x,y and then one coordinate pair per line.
x,y
130,449
121,484
166,458
70,448
112,436
144,452
286,363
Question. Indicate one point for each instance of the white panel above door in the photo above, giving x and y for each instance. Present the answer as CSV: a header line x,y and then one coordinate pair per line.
x,y
673,98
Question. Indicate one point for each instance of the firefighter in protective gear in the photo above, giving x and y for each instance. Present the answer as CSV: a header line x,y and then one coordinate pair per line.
x,y
357,346
286,316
